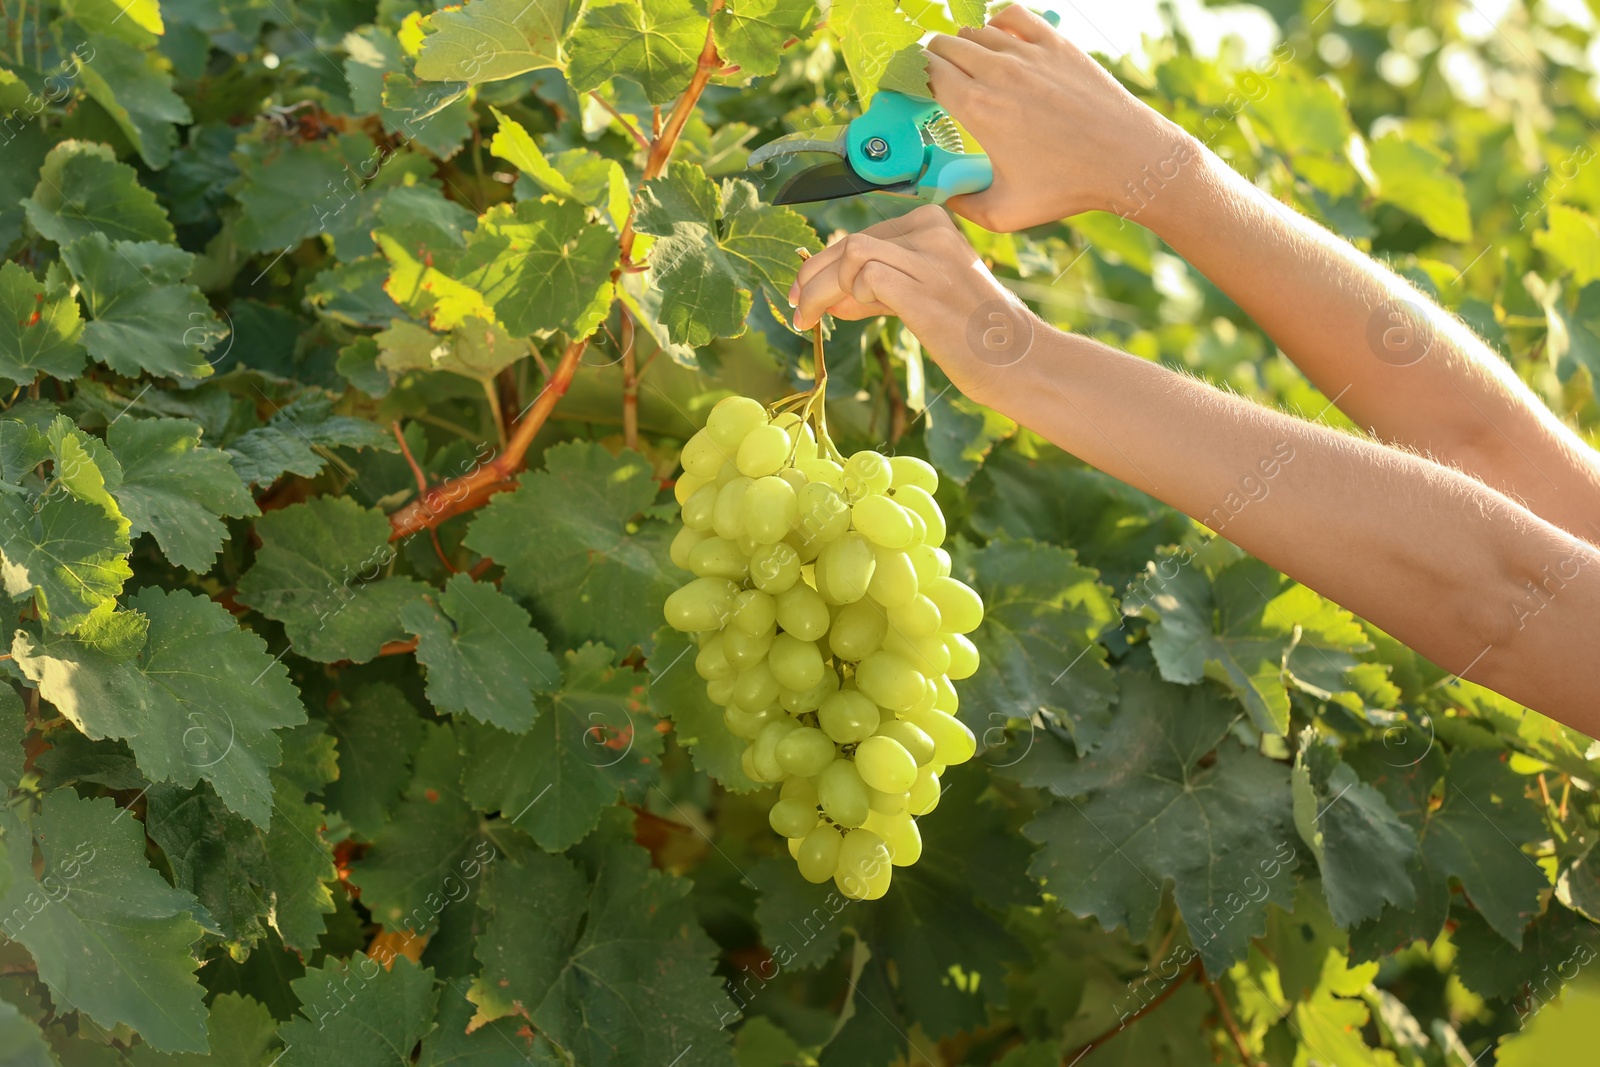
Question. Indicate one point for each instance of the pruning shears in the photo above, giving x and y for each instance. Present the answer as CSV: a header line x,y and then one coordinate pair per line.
x,y
902,145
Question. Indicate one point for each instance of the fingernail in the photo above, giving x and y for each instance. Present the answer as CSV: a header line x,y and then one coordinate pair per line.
x,y
797,321
794,294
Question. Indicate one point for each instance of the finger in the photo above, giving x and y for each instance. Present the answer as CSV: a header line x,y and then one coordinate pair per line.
x,y
950,85
822,294
838,280
969,57
902,228
814,265
1022,23
992,38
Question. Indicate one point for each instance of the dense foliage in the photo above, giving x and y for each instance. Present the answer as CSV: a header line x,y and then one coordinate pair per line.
x,y
353,345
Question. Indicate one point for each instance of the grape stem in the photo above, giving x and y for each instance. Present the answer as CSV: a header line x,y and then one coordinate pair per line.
x,y
814,406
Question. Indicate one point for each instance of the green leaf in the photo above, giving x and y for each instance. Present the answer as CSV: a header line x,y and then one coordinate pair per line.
x,y
594,573
714,249
490,40
175,489
555,781
475,349
378,732
83,190
84,467
1415,177
483,656
542,266
1254,630
71,554
359,1013
872,35
1488,965
1572,239
289,190
752,33
1561,1032
21,1043
317,572
576,174
13,731
1157,808
22,448
142,317
679,694
242,1034
609,965
135,88
1043,615
287,443
970,12
111,938
432,849
40,331
201,700
502,1043
960,434
800,923
656,44
1364,850
1304,115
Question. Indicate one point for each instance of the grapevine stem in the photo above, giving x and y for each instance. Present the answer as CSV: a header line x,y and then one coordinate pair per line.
x,y
1074,1055
630,384
1231,1024
633,131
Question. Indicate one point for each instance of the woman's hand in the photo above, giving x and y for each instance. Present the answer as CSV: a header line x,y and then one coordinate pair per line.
x,y
920,269
1063,134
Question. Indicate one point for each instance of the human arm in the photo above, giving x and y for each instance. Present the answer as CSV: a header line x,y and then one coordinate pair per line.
x,y
1066,137
1432,556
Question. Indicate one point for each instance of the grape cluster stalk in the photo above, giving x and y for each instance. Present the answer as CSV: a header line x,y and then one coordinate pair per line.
x,y
829,629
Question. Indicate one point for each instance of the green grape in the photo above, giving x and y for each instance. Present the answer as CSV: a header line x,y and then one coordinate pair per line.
x,y
847,716
858,630
799,789
917,618
900,834
925,558
796,480
747,763
924,795
686,486
732,419
700,605
727,517
720,691
927,654
963,656
946,699
960,607
683,543
805,548
699,508
818,857
919,529
747,724
716,557
747,545
884,764
953,741
806,752
770,509
793,844
775,568
865,473
911,471
824,471
930,693
796,664
894,579
792,818
766,746
800,701
912,738
885,803
763,451
803,612
844,569
702,456
889,681
755,687
728,473
823,514
842,793
744,650
864,866
754,613
881,521
805,441
711,663
920,503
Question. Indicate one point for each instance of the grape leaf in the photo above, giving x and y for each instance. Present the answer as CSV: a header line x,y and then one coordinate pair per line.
x,y
593,574
542,267
40,332
872,1028
287,442
13,730
110,937
72,554
1156,808
352,293
1362,847
678,693
656,44
85,467
1253,630
83,190
490,40
289,191
752,33
242,1034
142,317
201,700
874,36
135,88
1557,941
1043,614
1572,239
713,249
960,434
175,489
317,572
378,732
431,849
475,349
359,1013
593,741
483,657
502,1043
1414,177
609,965
970,12
801,923
1562,1032
575,174
22,448
21,1043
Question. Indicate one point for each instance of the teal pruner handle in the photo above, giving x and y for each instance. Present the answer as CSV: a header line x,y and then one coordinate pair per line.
x,y
886,147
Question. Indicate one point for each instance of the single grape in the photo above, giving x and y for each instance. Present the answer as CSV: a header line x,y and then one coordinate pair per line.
x,y
702,456
775,568
858,630
927,654
825,471
881,521
800,701
770,509
711,662
842,793
732,419
796,664
889,680
699,509
884,764
793,844
960,607
806,752
822,513
885,803
953,741
818,857
743,650
864,865
799,789
747,724
755,687
754,613
792,818
924,796
720,692
683,543
847,716
763,451
918,617
747,763
946,699
717,557
963,656
766,746
919,502
894,579
700,605
919,529
686,486
912,738
900,833
729,472
909,470
805,441
802,612
925,558
844,569
727,518
866,472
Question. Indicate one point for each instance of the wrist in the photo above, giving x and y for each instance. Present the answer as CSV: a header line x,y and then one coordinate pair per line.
x,y
1162,190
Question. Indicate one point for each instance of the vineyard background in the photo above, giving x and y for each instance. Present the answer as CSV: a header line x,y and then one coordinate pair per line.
x,y
353,344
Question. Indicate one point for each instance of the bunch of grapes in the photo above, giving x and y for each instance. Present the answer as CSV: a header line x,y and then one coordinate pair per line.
x,y
829,630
